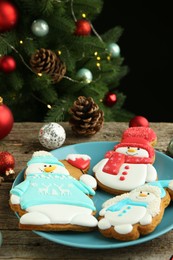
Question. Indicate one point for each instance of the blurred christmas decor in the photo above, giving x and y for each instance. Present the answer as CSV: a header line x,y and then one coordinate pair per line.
x,y
6,119
139,121
7,163
52,135
86,117
8,16
51,53
170,148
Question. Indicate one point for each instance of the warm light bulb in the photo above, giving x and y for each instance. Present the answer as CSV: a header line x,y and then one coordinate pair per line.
x,y
84,15
98,58
108,57
98,64
95,53
49,106
39,74
21,42
59,52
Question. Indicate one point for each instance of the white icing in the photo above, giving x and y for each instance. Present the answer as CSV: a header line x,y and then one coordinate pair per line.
x,y
133,151
61,214
123,229
170,186
14,199
133,210
89,180
41,153
73,157
38,168
147,219
104,224
137,175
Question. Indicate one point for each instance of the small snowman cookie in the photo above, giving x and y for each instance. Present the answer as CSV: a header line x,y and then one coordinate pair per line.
x,y
51,199
128,216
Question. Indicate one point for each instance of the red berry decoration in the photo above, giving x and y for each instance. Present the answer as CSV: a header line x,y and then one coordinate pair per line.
x,y
7,163
7,64
138,121
83,27
6,120
8,16
110,99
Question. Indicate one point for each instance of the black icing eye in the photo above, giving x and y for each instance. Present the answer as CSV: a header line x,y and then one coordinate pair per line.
x,y
148,193
50,165
140,192
138,148
128,147
45,165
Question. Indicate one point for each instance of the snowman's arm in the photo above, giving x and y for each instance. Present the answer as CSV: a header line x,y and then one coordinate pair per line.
x,y
151,173
19,189
89,180
84,187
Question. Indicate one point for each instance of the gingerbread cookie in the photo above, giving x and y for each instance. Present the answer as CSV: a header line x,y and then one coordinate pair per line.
x,y
128,165
128,216
50,198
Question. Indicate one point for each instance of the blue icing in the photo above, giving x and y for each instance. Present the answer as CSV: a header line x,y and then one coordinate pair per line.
x,y
39,189
161,184
120,204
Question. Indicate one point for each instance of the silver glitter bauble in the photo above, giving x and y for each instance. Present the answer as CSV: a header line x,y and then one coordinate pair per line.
x,y
40,28
52,135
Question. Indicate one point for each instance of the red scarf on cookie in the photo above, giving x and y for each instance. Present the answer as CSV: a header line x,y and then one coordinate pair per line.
x,y
116,159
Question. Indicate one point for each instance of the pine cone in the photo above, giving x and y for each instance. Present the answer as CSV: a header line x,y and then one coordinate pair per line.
x,y
46,61
86,117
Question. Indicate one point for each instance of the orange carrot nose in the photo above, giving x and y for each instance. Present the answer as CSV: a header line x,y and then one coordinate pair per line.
x,y
132,150
50,168
143,195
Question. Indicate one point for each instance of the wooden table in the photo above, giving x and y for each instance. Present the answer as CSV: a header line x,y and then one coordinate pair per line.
x,y
17,244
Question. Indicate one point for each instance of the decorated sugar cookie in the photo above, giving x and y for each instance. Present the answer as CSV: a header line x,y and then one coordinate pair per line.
x,y
50,198
127,166
128,216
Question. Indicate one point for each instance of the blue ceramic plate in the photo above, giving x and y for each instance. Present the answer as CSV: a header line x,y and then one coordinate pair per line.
x,y
94,240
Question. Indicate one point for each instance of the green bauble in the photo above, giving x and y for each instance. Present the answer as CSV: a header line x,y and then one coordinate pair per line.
x,y
114,50
170,148
84,75
40,28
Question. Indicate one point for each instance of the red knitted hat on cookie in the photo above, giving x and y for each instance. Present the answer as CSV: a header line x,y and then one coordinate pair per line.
x,y
146,133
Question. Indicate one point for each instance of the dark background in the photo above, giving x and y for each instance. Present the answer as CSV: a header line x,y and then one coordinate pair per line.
x,y
147,47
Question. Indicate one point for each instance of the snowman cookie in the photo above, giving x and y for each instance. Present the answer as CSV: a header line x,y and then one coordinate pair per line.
x,y
50,198
128,216
128,166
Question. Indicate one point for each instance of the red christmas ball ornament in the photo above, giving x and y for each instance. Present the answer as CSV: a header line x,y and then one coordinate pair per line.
x,y
83,27
6,120
138,121
110,99
7,163
8,16
7,64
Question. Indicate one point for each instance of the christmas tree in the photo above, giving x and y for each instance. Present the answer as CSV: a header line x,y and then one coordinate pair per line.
x,y
51,53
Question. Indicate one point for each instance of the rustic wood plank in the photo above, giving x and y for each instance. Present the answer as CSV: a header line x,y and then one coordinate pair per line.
x,y
18,244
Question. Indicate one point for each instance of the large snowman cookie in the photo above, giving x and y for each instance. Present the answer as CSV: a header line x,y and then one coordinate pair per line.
x,y
50,198
128,216
128,166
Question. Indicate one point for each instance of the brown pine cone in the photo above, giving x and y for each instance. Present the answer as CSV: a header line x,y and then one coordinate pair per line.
x,y
86,117
46,61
